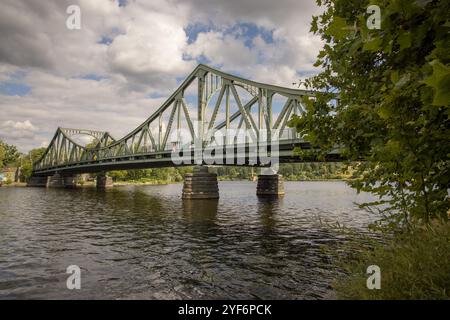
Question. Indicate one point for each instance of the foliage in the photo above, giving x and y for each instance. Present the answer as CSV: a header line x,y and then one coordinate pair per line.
x,y
9,155
290,172
393,101
413,265
28,160
148,175
2,155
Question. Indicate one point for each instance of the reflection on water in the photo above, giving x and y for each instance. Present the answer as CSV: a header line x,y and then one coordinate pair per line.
x,y
146,242
200,213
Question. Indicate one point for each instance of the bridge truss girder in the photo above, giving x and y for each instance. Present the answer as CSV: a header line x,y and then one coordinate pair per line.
x,y
152,136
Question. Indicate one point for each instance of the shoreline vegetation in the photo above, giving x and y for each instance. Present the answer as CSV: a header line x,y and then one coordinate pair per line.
x,y
382,95
162,182
319,171
123,183
413,264
313,171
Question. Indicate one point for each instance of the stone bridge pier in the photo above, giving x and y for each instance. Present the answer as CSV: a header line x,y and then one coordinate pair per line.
x,y
61,181
36,181
270,185
104,181
200,184
58,180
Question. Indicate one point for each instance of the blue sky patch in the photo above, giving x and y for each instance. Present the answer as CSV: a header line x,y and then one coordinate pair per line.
x,y
15,85
92,76
193,30
106,40
14,89
155,95
242,30
249,31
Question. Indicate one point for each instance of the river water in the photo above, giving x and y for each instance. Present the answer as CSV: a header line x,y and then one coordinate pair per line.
x,y
145,242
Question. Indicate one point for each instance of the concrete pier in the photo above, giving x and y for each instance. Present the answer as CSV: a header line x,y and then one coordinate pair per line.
x,y
200,184
59,181
70,181
55,181
270,185
103,181
37,182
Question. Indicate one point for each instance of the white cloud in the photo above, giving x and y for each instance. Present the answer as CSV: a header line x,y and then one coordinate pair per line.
x,y
223,50
147,56
23,132
149,53
25,125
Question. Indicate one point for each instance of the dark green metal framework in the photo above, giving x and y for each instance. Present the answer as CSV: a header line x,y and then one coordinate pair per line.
x,y
148,145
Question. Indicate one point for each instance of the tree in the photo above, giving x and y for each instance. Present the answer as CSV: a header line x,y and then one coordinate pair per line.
x,y
393,95
28,160
118,175
2,155
11,154
137,174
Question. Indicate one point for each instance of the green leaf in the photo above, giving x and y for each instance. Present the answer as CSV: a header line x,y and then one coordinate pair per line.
x,y
404,40
422,3
373,45
394,76
314,26
439,80
338,28
384,112
403,80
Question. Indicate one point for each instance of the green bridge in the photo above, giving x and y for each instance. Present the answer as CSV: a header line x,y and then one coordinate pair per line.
x,y
230,121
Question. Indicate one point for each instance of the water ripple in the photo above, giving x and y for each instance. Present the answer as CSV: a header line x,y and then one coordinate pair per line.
x,y
146,243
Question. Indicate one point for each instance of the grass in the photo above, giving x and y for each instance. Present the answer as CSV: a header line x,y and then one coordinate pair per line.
x,y
414,265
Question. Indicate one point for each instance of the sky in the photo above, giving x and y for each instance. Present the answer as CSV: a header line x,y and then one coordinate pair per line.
x,y
129,55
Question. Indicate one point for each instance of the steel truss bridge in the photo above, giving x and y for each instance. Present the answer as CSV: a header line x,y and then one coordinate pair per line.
x,y
241,103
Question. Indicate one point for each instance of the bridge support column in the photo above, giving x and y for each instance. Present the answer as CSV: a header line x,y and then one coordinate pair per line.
x,y
103,181
36,181
55,181
270,185
70,181
200,184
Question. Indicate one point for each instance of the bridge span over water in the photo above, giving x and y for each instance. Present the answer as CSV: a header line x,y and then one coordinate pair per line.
x,y
212,118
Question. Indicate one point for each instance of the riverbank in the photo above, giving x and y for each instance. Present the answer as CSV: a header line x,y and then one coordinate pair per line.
x,y
144,183
414,264
164,182
14,184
